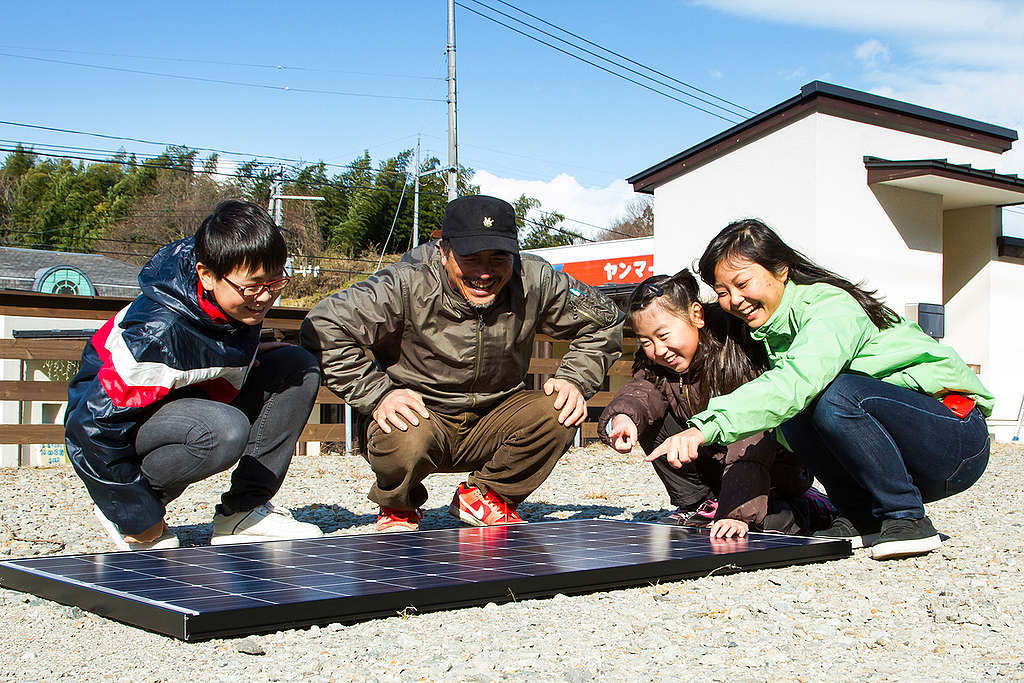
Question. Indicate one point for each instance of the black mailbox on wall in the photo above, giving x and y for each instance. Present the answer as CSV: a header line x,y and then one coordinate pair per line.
x,y
931,318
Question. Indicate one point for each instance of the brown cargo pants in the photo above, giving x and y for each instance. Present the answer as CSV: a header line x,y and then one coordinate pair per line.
x,y
509,449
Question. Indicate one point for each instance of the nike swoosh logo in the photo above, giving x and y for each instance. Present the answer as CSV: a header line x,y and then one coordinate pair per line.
x,y
477,512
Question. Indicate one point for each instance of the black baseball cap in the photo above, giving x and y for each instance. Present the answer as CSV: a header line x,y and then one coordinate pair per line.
x,y
478,223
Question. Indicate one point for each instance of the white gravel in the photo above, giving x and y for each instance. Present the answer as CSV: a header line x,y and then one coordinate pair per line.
x,y
951,615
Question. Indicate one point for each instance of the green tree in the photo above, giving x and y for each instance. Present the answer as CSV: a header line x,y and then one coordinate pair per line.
x,y
538,229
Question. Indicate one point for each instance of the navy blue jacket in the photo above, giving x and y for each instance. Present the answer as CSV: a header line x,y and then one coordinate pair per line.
x,y
171,341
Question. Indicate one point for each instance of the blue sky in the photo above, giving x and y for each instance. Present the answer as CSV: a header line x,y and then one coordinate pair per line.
x,y
530,119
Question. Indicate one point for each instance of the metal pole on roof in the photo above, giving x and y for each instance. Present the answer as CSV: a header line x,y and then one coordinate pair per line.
x,y
453,151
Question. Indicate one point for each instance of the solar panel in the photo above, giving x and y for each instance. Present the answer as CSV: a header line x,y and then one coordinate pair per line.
x,y
213,591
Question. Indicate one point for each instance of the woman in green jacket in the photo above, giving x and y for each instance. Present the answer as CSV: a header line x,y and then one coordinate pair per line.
x,y
884,416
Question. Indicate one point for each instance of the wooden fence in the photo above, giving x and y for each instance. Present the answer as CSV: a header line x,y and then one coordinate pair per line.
x,y
284,321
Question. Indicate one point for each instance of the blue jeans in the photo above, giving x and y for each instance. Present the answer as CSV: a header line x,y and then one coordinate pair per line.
x,y
884,451
189,439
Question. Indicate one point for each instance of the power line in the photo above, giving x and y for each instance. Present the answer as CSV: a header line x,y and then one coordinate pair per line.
x,y
148,142
598,66
276,67
622,56
306,184
236,174
42,233
254,157
220,81
606,59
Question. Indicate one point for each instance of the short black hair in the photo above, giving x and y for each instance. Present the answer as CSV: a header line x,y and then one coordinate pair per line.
x,y
240,234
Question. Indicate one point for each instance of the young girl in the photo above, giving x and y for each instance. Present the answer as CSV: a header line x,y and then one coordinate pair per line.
x,y
688,353
886,418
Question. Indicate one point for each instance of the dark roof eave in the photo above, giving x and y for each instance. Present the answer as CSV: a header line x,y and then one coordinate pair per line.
x,y
1003,137
965,170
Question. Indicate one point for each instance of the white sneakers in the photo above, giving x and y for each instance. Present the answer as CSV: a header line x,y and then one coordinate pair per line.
x,y
267,522
168,540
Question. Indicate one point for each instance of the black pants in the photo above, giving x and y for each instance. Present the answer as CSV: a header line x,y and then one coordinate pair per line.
x,y
188,439
694,482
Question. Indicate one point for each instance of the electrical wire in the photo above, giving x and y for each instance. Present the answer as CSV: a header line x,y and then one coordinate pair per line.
x,y
220,81
598,66
276,67
394,220
606,59
622,56
236,174
254,157
42,233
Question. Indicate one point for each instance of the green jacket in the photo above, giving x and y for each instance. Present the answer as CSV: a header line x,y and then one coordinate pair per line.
x,y
817,332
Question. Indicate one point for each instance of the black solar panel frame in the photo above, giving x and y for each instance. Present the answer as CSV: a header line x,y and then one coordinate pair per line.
x,y
186,625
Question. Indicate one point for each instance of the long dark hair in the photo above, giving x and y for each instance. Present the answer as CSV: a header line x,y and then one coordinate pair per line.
x,y
751,239
726,355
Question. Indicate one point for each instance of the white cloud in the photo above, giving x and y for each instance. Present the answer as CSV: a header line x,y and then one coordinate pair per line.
x,y
563,193
799,73
965,57
872,53
911,17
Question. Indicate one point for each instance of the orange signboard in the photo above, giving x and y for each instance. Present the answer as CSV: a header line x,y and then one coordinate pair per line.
x,y
610,271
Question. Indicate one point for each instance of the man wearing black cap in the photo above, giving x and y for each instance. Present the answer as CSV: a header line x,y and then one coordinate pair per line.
x,y
451,329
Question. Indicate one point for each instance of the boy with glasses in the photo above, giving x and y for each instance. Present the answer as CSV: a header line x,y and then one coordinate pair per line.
x,y
177,387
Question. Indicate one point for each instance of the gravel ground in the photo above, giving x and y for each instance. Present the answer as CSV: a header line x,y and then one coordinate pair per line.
x,y
953,614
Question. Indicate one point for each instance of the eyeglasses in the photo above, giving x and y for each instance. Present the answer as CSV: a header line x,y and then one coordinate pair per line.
x,y
253,291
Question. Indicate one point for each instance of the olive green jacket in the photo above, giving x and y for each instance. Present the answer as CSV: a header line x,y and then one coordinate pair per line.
x,y
425,336
817,332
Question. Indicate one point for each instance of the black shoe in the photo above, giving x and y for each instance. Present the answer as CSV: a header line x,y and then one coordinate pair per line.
x,y
677,517
905,537
700,515
860,534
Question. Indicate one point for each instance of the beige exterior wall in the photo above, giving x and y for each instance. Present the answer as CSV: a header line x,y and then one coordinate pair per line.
x,y
808,181
771,178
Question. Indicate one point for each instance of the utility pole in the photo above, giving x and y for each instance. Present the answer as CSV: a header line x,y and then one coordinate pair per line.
x,y
453,152
416,198
275,189
416,193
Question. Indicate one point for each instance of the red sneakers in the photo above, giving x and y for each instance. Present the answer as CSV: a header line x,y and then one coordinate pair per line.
x,y
391,519
482,509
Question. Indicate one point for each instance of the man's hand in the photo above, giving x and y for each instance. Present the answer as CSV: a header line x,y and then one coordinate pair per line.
x,y
398,407
623,433
679,448
569,401
151,534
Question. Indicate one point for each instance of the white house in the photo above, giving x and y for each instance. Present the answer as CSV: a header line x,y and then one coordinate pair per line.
x,y
897,195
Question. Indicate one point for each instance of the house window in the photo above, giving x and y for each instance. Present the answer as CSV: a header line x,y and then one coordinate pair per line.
x,y
63,280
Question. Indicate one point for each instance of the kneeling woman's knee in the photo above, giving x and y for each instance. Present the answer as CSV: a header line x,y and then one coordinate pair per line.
x,y
840,398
